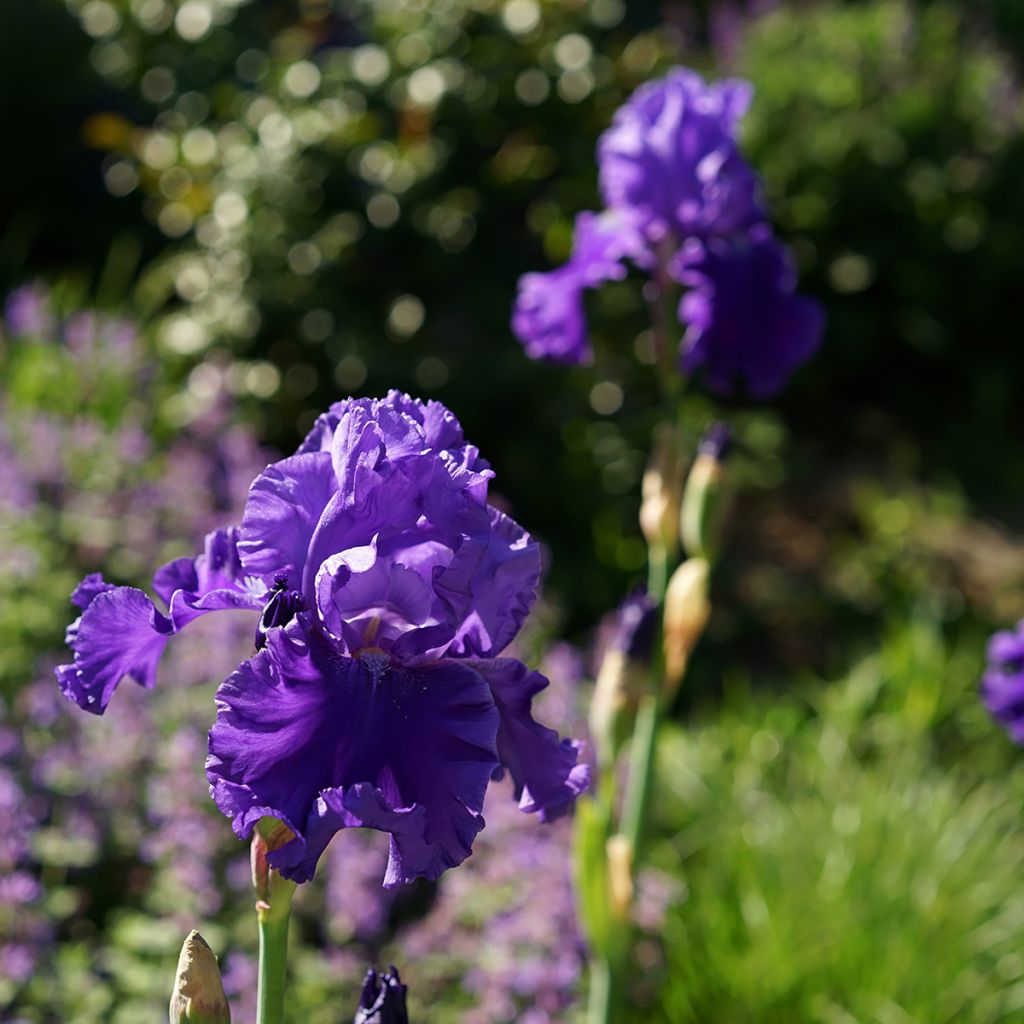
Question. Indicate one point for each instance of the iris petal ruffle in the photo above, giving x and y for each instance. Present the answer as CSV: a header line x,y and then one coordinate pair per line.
x,y
122,633
490,586
670,158
546,770
354,741
548,316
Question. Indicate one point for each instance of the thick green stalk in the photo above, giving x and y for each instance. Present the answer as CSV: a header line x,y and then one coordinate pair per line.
x,y
643,754
273,921
601,1003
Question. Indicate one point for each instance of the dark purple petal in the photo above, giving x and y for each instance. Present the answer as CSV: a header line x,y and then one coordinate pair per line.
x,y
670,160
323,741
745,322
120,633
490,587
546,771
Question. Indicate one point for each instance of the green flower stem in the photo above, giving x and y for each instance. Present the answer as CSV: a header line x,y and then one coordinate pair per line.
x,y
643,754
273,918
601,1005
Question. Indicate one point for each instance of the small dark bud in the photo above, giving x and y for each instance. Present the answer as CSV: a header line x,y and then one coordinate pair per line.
x,y
382,1000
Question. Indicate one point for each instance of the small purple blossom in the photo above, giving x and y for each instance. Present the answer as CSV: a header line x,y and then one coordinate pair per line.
x,y
386,588
1002,685
28,314
681,202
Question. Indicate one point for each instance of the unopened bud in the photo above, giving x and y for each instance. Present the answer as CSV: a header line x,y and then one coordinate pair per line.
x,y
704,497
619,851
269,834
623,677
687,609
198,996
661,493
382,1000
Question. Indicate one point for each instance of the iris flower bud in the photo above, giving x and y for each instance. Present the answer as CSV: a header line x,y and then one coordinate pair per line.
x,y
686,614
704,497
382,1000
622,679
620,875
661,493
198,996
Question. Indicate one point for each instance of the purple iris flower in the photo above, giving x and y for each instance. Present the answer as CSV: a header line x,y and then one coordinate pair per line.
x,y
1002,685
671,160
680,197
745,322
385,589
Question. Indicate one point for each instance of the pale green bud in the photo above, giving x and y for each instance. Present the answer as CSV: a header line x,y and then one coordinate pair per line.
x,y
198,996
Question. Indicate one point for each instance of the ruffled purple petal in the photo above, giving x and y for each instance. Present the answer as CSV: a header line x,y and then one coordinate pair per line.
x,y
548,317
120,631
323,741
285,505
364,599
547,773
490,587
745,322
441,428
670,159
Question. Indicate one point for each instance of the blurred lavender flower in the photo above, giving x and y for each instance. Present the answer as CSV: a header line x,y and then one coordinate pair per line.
x,y
27,312
372,558
1002,685
684,206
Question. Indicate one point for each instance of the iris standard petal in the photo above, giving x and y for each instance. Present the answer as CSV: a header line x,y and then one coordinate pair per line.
x,y
547,773
670,159
324,741
284,507
490,586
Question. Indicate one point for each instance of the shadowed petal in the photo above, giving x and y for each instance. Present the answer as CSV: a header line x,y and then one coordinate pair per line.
x,y
745,322
323,741
546,771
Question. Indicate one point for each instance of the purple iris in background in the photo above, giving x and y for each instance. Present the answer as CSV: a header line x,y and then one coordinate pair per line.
x,y
681,204
1002,685
385,589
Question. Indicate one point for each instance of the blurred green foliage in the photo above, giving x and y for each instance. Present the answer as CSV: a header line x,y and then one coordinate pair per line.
x,y
349,191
